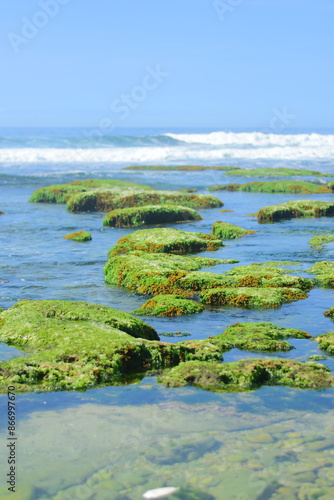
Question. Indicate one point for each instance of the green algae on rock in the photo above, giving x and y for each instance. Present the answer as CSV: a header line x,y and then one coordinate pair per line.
x,y
289,187
2,213
324,271
77,345
80,236
112,199
251,297
294,209
60,193
149,214
155,273
250,374
319,241
166,240
258,337
168,305
228,231
272,172
326,342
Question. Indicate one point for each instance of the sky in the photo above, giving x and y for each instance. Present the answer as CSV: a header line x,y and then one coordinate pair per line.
x,y
167,63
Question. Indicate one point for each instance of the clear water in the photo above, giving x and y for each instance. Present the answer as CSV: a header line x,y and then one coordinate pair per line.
x,y
118,442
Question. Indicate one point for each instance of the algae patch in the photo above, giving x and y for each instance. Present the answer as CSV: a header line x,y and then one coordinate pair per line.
x,y
168,305
228,231
295,209
80,236
149,214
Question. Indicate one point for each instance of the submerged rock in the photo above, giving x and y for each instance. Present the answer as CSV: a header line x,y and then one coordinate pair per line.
x,y
79,236
112,199
295,209
228,231
60,193
248,375
319,241
289,187
168,305
181,453
166,240
149,214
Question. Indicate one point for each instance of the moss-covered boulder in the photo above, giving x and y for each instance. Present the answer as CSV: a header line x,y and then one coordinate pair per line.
x,y
250,374
228,231
177,168
275,172
330,313
293,209
166,240
258,337
324,271
289,187
318,242
112,199
76,346
80,236
2,213
168,305
326,342
251,297
149,214
155,273
60,193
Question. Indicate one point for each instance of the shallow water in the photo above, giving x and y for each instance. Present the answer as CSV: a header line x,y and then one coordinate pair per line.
x,y
118,442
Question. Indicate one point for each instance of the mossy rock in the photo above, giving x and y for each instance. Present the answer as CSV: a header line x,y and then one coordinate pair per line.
x,y
289,187
250,374
80,236
275,172
77,346
2,213
60,193
257,337
155,273
149,214
168,305
176,168
294,209
324,271
326,342
319,241
166,240
252,298
107,200
228,231
330,313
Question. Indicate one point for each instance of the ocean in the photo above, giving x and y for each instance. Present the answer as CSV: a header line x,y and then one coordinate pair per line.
x,y
118,442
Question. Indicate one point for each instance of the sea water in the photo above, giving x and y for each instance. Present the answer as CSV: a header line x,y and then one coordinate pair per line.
x,y
118,442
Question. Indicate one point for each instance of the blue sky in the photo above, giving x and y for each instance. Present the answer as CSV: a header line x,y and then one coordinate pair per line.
x,y
180,63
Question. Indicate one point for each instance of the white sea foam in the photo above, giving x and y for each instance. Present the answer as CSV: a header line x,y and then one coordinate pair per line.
x,y
216,147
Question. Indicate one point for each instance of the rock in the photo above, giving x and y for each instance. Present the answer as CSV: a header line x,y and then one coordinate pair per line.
x,y
324,271
168,305
149,214
80,236
228,231
60,193
248,374
166,240
290,187
318,242
326,342
275,172
293,209
178,452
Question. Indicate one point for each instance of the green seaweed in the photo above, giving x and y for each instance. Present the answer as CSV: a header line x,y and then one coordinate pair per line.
x,y
326,342
80,236
228,231
250,374
271,172
293,209
319,241
324,271
168,305
149,214
290,187
166,240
